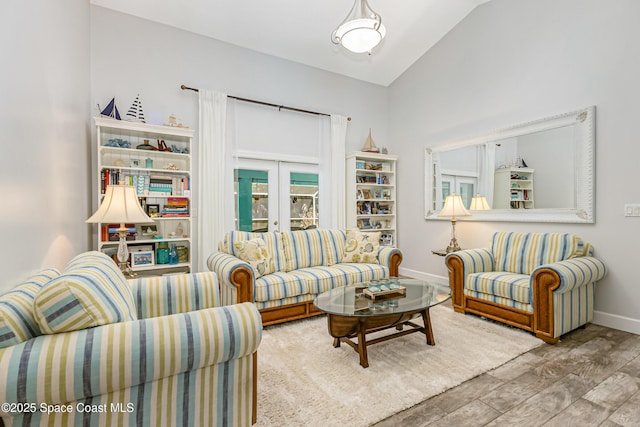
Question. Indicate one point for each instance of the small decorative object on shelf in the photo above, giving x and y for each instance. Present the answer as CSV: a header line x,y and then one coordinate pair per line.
x,y
135,113
162,253
369,145
173,254
173,122
110,110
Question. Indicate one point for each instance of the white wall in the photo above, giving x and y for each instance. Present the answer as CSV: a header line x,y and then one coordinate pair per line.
x,y
510,62
131,55
44,94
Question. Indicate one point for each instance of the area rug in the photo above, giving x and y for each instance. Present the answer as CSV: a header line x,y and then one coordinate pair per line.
x,y
304,381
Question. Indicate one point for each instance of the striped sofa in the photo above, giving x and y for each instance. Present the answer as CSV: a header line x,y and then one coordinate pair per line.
x,y
88,347
304,263
540,282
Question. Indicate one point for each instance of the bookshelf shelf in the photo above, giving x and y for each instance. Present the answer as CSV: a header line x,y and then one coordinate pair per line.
x,y
162,180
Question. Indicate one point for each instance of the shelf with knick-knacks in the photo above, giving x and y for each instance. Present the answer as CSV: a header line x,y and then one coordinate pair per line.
x,y
371,194
156,160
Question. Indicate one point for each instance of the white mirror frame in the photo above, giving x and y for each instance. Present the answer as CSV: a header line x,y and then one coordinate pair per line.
x,y
584,122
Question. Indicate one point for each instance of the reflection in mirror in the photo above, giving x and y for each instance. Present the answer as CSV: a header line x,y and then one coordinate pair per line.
x,y
538,171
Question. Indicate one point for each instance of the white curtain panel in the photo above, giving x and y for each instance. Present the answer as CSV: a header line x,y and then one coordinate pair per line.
x,y
337,175
211,174
487,168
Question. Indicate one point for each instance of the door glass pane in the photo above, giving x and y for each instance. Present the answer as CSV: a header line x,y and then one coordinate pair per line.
x,y
303,200
251,200
466,192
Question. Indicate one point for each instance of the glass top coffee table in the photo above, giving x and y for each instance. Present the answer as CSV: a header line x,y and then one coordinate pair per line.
x,y
353,314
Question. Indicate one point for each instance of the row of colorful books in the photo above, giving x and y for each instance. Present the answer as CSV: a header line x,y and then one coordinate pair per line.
x,y
176,206
147,185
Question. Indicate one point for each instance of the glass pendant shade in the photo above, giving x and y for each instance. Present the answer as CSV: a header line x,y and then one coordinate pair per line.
x,y
362,29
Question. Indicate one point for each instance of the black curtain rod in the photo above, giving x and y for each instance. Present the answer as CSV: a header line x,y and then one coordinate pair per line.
x,y
280,107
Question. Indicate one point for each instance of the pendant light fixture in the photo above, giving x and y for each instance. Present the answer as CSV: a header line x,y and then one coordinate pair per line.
x,y
361,30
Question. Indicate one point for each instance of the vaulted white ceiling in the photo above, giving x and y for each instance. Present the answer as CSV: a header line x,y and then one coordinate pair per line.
x,y
299,30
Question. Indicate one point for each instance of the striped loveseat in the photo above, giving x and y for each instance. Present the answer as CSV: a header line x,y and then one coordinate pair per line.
x,y
299,266
540,282
87,347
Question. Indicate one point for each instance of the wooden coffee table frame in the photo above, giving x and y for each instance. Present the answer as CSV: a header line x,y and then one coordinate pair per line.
x,y
344,328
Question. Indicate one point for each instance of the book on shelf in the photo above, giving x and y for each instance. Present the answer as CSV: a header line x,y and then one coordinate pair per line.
x,y
176,206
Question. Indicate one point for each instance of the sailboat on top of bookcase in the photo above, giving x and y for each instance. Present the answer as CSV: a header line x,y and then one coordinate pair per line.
x,y
111,110
135,113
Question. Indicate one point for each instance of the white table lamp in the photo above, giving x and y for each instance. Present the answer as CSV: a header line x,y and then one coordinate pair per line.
x,y
453,207
120,205
479,203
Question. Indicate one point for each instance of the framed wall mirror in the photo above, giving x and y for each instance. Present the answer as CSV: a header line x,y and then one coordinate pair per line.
x,y
540,171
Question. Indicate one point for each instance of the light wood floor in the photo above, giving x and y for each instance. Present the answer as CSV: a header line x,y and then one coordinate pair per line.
x,y
590,378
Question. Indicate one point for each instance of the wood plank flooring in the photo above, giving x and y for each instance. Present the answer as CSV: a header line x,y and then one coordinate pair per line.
x,y
590,378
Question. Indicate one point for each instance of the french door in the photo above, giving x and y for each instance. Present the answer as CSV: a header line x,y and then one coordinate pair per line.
x,y
463,185
276,195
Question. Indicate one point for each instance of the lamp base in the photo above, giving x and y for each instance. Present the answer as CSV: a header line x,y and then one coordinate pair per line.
x,y
123,253
126,270
453,246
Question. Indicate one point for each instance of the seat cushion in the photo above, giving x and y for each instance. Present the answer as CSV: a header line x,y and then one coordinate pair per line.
x,y
314,280
17,321
522,252
511,286
92,291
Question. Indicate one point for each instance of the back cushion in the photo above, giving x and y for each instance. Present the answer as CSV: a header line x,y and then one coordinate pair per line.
x,y
521,253
273,243
311,248
92,291
17,321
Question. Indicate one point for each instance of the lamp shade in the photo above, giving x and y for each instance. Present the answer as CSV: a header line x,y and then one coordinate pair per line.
x,y
479,203
453,207
120,205
362,29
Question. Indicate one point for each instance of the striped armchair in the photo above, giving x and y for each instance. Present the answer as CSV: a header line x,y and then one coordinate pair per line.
x,y
182,359
540,282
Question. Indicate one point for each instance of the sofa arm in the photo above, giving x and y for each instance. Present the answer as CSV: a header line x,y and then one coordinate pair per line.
x,y
66,367
390,258
234,276
570,274
462,263
179,293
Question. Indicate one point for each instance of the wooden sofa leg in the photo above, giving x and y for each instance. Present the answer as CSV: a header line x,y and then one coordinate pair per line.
x,y
547,339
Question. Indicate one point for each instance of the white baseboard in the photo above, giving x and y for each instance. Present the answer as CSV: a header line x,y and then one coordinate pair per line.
x,y
609,320
614,321
423,276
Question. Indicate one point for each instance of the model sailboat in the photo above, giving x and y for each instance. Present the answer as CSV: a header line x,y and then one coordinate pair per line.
x,y
111,110
135,113
369,145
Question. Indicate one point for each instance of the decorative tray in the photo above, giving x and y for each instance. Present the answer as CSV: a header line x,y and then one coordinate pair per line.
x,y
384,293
